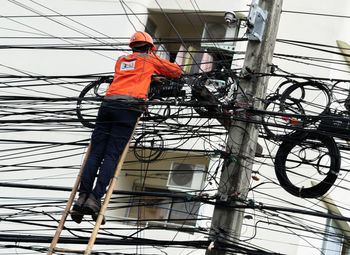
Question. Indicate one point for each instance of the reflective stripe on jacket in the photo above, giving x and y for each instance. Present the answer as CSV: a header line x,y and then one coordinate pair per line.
x,y
133,74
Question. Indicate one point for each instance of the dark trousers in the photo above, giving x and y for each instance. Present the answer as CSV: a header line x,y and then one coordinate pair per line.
x,y
114,126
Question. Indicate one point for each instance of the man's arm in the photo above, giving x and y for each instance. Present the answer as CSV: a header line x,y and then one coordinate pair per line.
x,y
166,68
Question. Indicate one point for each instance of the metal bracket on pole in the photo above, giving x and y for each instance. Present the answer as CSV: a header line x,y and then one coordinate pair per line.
x,y
256,22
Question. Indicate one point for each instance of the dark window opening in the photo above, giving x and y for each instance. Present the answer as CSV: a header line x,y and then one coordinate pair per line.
x,y
152,210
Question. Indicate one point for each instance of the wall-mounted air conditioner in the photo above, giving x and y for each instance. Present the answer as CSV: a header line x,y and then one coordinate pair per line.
x,y
219,31
186,176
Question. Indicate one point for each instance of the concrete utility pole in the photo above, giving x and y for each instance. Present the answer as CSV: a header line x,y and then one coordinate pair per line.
x,y
242,139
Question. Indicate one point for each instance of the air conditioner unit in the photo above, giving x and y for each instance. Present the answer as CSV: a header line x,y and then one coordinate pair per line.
x,y
186,176
219,31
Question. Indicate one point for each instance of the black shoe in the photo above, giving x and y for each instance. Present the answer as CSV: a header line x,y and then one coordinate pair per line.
x,y
77,216
77,213
92,204
94,217
78,206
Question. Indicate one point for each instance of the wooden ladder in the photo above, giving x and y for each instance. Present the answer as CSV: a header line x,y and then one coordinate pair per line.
x,y
101,214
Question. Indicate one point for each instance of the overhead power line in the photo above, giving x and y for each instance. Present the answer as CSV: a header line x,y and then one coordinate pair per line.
x,y
316,14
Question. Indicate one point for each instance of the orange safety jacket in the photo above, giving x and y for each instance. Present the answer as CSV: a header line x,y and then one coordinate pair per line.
x,y
133,74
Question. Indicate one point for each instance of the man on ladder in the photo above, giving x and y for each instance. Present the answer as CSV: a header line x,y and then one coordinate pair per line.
x,y
115,124
117,118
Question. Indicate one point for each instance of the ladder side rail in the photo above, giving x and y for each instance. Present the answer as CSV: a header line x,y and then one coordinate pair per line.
x,y
68,206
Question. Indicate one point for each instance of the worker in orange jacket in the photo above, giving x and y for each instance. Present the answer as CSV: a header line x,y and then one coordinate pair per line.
x,y
116,118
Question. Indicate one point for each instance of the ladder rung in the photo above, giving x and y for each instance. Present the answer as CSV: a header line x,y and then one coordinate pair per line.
x,y
68,250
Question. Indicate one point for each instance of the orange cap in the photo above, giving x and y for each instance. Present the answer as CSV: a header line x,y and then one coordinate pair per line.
x,y
141,37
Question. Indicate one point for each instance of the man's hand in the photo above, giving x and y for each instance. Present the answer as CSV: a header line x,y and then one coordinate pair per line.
x,y
159,79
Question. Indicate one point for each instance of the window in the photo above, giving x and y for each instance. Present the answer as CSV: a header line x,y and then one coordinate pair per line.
x,y
199,56
334,242
154,210
150,27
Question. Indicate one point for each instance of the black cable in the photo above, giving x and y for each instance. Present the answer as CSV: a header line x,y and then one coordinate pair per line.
x,y
316,14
